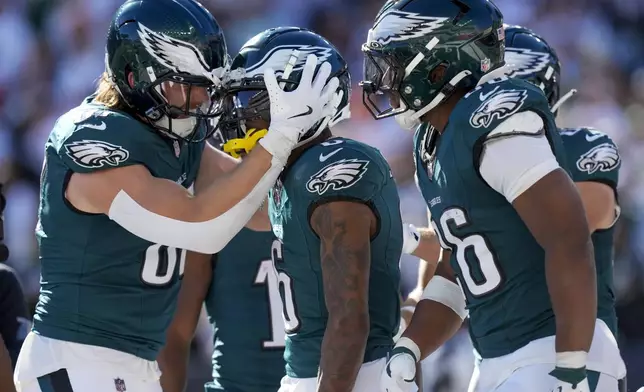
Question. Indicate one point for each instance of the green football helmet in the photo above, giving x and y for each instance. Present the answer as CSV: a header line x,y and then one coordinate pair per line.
x,y
167,58
419,51
531,58
284,49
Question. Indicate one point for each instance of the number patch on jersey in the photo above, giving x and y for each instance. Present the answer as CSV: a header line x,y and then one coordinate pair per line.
x,y
338,175
603,157
471,252
283,312
497,105
161,263
95,153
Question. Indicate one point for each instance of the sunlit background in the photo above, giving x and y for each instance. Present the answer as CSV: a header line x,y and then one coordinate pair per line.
x,y
52,53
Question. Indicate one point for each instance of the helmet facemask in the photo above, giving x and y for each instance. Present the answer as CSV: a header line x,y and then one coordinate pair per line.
x,y
246,105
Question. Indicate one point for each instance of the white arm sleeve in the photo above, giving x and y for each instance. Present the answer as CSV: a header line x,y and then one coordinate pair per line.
x,y
207,237
519,157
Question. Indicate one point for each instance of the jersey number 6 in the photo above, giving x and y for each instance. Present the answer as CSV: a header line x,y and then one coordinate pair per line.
x,y
476,247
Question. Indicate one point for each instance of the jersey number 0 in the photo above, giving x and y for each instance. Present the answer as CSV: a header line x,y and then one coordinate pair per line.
x,y
161,263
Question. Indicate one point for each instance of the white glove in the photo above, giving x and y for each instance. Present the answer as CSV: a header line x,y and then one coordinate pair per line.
x,y
295,112
400,373
411,238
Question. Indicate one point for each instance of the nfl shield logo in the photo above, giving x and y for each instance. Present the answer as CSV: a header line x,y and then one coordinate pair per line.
x,y
485,65
119,384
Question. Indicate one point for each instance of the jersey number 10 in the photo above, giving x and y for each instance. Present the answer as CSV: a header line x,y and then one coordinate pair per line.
x,y
283,316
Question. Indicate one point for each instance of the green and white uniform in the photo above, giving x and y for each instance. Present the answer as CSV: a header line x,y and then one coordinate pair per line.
x,y
336,170
593,156
101,285
245,309
500,139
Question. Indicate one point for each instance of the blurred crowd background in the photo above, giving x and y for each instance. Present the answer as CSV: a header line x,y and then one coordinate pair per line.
x,y
52,54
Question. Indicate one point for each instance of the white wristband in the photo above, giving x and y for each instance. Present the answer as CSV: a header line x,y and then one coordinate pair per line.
x,y
448,293
572,359
278,145
410,345
411,238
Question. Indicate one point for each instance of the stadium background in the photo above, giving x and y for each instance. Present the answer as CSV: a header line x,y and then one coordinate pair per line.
x,y
52,53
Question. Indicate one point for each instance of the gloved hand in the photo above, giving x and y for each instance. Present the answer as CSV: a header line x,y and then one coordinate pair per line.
x,y
400,372
570,372
570,380
295,112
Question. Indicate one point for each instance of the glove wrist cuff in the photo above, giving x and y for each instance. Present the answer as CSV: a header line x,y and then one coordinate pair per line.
x,y
410,345
278,145
572,359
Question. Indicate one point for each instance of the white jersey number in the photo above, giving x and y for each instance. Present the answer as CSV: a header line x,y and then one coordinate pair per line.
x,y
473,245
161,263
282,309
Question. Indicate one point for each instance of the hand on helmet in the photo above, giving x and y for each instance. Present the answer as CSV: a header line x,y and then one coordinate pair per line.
x,y
295,112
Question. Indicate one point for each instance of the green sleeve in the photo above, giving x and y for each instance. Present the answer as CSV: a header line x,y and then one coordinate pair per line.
x,y
348,174
98,139
592,156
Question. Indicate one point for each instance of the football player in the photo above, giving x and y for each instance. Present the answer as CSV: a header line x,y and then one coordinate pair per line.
x,y
248,330
491,168
594,163
335,211
116,215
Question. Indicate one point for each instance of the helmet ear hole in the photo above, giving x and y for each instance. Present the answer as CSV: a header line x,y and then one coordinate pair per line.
x,y
130,76
438,72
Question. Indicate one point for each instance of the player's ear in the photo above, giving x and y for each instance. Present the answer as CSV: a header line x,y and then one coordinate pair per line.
x,y
130,79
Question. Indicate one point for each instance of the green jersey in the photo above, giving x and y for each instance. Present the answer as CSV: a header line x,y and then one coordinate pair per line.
x,y
101,285
498,263
245,309
338,169
593,156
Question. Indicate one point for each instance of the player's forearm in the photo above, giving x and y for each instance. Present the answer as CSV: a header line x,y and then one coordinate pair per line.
x,y
343,348
431,326
6,370
173,362
232,187
570,272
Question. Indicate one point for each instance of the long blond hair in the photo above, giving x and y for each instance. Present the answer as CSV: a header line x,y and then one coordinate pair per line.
x,y
108,95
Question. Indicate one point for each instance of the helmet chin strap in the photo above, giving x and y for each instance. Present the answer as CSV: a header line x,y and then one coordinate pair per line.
x,y
410,119
563,99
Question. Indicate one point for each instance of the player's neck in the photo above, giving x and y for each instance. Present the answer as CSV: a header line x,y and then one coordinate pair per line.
x,y
326,134
439,117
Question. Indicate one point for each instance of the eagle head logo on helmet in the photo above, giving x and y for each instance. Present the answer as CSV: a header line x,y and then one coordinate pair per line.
x,y
499,105
337,175
94,153
603,157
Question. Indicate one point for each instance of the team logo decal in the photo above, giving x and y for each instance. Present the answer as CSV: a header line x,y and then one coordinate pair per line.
x,y
337,175
603,157
177,55
278,57
498,105
94,153
401,26
524,62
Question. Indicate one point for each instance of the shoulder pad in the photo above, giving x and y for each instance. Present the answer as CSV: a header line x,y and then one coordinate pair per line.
x,y
524,123
90,138
592,154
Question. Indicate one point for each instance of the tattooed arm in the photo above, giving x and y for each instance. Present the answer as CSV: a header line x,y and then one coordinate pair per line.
x,y
345,230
